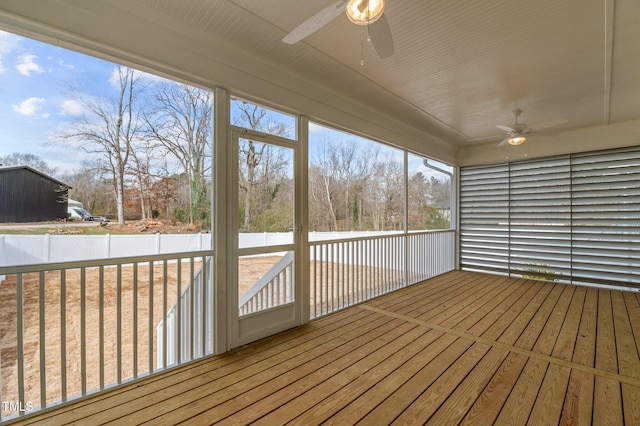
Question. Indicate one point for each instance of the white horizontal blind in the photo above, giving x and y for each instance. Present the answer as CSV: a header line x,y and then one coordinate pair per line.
x,y
540,218
571,218
484,218
606,216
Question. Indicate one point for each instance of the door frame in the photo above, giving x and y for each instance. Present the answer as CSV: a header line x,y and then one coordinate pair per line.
x,y
248,328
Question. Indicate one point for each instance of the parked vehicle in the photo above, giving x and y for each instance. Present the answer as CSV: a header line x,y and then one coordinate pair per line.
x,y
78,213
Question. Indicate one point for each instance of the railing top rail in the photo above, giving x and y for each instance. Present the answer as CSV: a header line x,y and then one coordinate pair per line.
x,y
380,237
38,267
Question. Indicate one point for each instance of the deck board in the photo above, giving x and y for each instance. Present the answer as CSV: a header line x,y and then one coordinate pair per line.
x,y
463,347
519,404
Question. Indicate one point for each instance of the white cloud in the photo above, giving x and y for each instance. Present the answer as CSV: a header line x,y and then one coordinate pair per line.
x,y
62,63
8,42
26,65
29,106
70,107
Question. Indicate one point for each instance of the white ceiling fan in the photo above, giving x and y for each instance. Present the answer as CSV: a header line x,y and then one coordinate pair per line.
x,y
369,13
517,132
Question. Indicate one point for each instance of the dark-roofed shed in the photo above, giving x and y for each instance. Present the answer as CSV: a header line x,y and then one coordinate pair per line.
x,y
27,195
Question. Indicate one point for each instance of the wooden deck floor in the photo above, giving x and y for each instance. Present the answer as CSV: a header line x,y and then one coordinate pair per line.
x,y
461,348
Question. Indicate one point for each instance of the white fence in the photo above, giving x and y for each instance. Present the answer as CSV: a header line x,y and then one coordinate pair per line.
x,y
35,249
18,250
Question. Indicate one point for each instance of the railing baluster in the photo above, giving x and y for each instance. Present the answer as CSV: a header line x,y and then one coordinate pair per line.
x,y
101,324
192,353
150,319
358,268
274,291
135,319
165,280
291,283
323,258
20,334
83,329
285,287
369,268
343,264
119,323
352,270
42,334
178,341
63,334
203,278
332,287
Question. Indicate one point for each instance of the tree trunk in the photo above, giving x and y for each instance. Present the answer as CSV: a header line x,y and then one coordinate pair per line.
x,y
143,207
331,209
120,198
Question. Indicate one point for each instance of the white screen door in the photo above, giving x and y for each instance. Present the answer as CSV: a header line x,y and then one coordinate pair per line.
x,y
263,289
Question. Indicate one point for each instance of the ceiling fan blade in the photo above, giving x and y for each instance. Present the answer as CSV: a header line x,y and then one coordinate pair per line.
x,y
506,128
483,138
381,37
548,124
504,141
316,22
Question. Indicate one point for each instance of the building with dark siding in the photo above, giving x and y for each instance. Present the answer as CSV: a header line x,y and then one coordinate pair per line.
x,y
27,195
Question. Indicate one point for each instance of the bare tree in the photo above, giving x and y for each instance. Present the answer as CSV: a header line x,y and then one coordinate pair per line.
x,y
344,171
262,167
89,185
181,122
109,127
140,169
31,160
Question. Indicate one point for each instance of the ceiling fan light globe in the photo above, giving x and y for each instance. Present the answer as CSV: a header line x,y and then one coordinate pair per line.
x,y
364,12
516,140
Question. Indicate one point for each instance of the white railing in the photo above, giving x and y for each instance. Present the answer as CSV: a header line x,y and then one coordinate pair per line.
x,y
347,272
275,288
69,329
430,254
185,335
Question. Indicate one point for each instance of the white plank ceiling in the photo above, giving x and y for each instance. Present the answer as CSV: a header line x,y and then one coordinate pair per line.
x,y
462,65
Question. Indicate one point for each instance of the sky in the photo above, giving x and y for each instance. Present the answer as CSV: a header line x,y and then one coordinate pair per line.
x,y
35,101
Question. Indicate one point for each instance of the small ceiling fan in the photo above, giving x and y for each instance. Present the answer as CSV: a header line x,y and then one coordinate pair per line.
x,y
517,132
369,13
